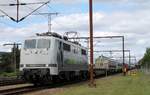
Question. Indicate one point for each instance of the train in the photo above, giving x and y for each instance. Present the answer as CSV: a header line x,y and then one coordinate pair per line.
x,y
105,65
50,57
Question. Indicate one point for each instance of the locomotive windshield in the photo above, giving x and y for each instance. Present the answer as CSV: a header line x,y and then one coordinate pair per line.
x,y
43,43
40,43
30,44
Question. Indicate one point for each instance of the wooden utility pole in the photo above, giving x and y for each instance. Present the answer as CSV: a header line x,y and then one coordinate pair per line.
x,y
92,84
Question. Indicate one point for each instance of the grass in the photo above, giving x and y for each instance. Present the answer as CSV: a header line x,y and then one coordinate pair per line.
x,y
113,85
5,74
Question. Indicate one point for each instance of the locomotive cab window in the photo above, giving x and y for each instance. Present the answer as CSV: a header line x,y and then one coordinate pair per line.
x,y
83,52
43,43
30,44
66,47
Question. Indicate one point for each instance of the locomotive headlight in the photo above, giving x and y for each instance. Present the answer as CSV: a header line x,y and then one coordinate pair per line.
x,y
21,65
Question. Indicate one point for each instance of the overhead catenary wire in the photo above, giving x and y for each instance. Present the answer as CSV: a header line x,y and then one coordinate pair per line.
x,y
53,12
44,14
38,13
33,11
20,4
7,15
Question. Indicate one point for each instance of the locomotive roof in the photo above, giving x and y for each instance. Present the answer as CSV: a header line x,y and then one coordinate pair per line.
x,y
61,39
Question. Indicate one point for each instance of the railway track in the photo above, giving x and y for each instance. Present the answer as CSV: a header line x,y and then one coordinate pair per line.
x,y
20,90
10,81
32,88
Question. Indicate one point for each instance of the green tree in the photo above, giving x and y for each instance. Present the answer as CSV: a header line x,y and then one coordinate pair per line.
x,y
6,62
6,58
146,59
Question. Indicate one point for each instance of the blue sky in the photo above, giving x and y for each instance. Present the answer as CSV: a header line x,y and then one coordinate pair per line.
x,y
120,17
67,8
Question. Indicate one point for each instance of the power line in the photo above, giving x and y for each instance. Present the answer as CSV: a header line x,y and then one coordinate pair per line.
x,y
12,4
33,11
21,4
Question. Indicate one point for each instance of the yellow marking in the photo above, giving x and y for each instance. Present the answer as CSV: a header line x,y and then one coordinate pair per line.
x,y
132,73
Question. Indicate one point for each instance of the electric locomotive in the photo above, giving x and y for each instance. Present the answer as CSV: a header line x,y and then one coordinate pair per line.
x,y
48,57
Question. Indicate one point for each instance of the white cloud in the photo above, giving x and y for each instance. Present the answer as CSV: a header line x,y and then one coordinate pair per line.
x,y
124,1
68,1
134,25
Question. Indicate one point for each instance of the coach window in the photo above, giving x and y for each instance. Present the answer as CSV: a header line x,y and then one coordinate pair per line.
x,y
83,52
66,47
